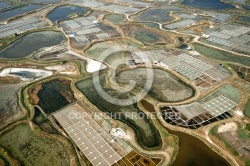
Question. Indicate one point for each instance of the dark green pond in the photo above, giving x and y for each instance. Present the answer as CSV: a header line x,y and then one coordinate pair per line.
x,y
55,95
146,133
31,43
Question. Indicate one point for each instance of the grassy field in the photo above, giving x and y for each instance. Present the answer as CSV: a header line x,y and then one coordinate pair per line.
x,y
31,150
151,25
160,15
9,107
148,36
247,109
146,133
242,134
172,90
115,18
111,52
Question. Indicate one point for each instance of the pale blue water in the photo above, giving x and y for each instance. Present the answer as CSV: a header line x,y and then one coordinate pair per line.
x,y
244,18
207,4
31,43
63,12
246,7
4,5
18,11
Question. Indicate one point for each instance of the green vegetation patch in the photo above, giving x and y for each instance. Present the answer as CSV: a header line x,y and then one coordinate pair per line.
x,y
160,15
9,107
221,55
247,127
111,52
214,131
226,90
146,133
39,116
148,37
242,134
247,109
151,25
115,18
2,161
165,86
31,150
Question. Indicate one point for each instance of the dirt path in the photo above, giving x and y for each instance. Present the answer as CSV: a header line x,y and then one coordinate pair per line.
x,y
225,152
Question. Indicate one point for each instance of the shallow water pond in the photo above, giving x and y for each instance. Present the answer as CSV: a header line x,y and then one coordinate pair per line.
x,y
63,12
192,152
160,15
9,107
221,55
4,5
31,43
207,4
17,11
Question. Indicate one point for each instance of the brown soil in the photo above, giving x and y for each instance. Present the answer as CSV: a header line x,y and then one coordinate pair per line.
x,y
34,99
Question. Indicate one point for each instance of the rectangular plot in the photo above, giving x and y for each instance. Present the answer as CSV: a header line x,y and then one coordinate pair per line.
x,y
191,110
96,147
188,71
84,142
103,36
183,111
221,35
180,24
216,74
72,24
99,161
63,119
113,158
88,150
108,153
196,63
70,129
93,154
88,31
172,61
219,105
81,39
83,21
219,40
